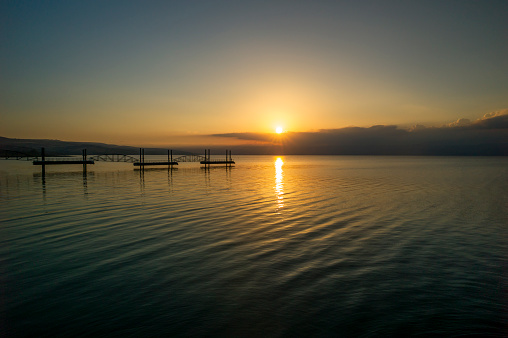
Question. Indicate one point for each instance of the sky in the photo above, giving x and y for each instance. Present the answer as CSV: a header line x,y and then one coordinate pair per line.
x,y
174,73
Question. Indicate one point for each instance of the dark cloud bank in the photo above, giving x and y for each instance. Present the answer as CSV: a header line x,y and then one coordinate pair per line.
x,y
487,136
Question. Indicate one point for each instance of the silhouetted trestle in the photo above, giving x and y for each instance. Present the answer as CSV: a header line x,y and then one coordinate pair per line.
x,y
7,154
114,158
190,158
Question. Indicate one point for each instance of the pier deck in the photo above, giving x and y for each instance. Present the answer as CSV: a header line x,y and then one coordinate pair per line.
x,y
217,162
62,162
141,164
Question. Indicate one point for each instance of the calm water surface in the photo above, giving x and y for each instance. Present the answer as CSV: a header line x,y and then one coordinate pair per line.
x,y
275,247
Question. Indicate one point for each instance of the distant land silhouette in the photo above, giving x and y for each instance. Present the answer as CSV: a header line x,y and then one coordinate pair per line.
x,y
58,148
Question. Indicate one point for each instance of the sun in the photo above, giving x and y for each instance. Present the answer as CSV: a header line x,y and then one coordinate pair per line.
x,y
279,130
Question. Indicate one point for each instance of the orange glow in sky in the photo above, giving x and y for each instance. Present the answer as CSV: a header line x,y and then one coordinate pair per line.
x,y
197,69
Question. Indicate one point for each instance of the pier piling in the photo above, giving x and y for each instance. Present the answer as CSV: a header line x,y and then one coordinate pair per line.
x,y
43,159
84,160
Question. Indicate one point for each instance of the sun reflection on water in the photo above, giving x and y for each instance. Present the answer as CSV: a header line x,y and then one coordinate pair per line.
x,y
279,183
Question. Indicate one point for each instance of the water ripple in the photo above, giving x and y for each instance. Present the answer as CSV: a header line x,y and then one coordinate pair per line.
x,y
306,246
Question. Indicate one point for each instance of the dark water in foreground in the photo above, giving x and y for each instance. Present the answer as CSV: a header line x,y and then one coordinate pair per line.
x,y
302,246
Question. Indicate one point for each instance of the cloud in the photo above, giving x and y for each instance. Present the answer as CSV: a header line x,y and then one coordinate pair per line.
x,y
485,136
261,137
495,113
417,127
460,123
499,121
492,120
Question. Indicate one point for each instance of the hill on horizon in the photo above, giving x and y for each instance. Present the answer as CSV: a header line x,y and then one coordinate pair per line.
x,y
32,147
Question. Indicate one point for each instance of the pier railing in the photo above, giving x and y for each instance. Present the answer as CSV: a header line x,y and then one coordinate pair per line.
x,y
114,158
19,158
7,154
189,158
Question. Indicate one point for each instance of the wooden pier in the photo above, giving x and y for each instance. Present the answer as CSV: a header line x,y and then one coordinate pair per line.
x,y
143,163
208,161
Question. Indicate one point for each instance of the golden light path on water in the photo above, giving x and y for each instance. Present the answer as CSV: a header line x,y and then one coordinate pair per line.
x,y
279,183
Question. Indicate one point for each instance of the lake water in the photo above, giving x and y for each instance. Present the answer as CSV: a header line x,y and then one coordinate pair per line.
x,y
273,247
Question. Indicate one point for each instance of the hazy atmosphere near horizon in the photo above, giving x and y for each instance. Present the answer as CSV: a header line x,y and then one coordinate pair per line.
x,y
177,73
183,169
